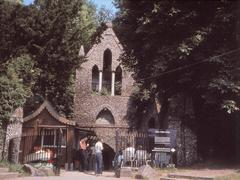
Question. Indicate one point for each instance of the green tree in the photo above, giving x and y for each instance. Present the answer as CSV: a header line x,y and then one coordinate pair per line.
x,y
86,23
65,26
15,1
17,68
52,32
16,80
190,48
105,15
162,36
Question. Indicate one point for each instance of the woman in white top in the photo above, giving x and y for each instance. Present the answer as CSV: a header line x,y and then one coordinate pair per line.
x,y
99,158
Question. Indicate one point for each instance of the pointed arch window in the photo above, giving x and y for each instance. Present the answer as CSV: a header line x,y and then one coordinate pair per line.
x,y
107,71
118,81
95,79
105,117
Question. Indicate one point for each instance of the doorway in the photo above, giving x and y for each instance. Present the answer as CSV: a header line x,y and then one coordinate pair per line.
x,y
108,156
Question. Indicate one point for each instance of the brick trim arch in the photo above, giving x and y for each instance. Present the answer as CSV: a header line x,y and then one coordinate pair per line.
x,y
100,108
107,115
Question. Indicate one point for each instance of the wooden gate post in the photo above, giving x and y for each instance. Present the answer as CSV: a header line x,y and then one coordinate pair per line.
x,y
58,152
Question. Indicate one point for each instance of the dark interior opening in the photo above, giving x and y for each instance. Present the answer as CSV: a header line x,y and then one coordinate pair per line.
x,y
108,156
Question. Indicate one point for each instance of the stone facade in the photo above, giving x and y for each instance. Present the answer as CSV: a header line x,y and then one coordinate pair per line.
x,y
13,135
89,104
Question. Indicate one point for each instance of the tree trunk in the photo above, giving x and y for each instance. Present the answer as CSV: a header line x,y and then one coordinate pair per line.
x,y
162,116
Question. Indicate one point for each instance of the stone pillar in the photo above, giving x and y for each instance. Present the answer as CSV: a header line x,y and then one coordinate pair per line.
x,y
100,81
113,84
13,136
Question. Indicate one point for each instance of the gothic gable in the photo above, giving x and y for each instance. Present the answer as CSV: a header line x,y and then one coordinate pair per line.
x,y
109,41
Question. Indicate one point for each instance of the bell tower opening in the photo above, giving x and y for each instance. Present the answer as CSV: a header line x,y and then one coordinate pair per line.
x,y
95,78
118,82
107,71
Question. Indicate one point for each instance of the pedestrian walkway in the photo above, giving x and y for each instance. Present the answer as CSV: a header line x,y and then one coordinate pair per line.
x,y
4,173
74,175
203,174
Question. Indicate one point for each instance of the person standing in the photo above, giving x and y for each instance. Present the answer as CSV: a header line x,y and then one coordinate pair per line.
x,y
129,155
92,159
117,163
83,153
99,158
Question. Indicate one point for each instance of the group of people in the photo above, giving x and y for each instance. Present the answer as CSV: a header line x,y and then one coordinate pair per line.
x,y
94,153
92,158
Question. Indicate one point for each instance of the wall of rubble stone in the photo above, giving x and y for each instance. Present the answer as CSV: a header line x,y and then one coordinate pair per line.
x,y
2,141
13,136
181,119
88,104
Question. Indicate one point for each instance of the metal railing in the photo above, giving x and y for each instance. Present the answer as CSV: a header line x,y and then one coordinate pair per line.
x,y
135,149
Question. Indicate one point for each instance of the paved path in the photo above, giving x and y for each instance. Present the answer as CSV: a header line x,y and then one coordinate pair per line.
x,y
75,176
201,173
207,172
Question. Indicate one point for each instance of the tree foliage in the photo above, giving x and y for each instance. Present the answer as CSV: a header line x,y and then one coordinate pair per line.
x,y
173,47
16,81
51,32
105,15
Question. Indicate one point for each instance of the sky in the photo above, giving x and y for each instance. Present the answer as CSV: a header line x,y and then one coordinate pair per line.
x,y
107,3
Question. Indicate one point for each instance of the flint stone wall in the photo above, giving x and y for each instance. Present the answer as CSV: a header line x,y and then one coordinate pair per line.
x,y
2,141
88,104
13,136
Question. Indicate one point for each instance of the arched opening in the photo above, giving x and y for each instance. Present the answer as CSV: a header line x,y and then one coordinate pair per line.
x,y
108,156
105,117
95,78
107,71
118,82
151,123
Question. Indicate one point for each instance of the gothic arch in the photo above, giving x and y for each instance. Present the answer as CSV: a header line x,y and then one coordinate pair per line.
x,y
107,70
107,60
105,117
118,82
95,78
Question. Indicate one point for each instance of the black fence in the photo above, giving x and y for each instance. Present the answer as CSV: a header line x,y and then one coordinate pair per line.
x,y
45,149
134,148
137,149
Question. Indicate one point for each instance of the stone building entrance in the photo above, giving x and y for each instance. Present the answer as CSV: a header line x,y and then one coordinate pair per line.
x,y
105,133
108,156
